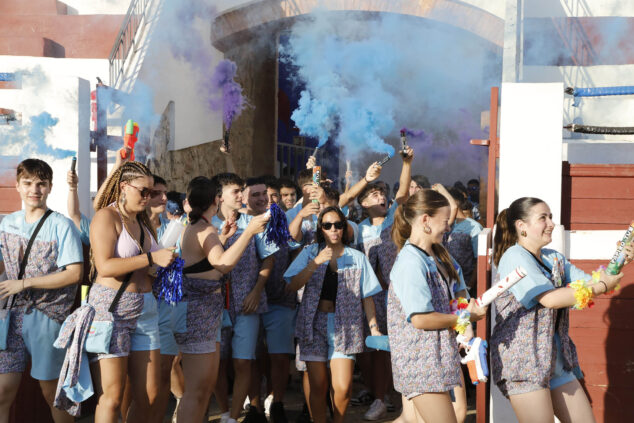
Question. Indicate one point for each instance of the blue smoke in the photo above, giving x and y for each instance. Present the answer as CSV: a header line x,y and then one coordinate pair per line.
x,y
30,139
364,77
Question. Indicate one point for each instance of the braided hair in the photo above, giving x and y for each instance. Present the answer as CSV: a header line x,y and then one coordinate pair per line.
x,y
112,193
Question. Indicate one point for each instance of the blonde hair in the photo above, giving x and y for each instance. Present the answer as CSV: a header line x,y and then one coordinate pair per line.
x,y
425,201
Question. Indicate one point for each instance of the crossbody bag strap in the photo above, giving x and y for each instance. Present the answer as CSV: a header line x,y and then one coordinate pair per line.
x,y
126,280
25,258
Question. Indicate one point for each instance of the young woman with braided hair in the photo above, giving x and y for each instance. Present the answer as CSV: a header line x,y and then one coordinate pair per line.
x,y
123,248
533,359
423,281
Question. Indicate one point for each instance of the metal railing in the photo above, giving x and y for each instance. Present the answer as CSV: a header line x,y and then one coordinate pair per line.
x,y
292,158
133,21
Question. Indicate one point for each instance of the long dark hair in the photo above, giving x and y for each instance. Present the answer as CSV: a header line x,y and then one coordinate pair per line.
x,y
506,233
319,236
425,201
201,194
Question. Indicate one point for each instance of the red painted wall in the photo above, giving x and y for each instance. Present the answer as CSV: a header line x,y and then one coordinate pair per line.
x,y
604,336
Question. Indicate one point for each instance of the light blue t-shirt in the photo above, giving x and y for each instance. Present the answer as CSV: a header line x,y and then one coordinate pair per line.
x,y
471,227
537,280
84,229
409,279
264,250
351,258
368,231
292,213
57,229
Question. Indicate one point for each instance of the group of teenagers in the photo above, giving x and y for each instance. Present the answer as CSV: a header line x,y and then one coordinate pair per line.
x,y
397,271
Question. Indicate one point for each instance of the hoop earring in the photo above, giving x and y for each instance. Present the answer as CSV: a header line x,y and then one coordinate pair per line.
x,y
523,233
427,229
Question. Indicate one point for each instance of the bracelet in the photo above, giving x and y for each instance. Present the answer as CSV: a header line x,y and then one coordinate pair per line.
x,y
583,294
606,286
464,320
149,259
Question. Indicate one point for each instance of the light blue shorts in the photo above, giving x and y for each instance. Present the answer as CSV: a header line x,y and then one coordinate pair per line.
x,y
146,335
561,376
32,335
332,354
279,327
166,329
245,336
330,335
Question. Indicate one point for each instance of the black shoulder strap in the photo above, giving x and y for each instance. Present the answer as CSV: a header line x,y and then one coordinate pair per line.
x,y
126,280
25,257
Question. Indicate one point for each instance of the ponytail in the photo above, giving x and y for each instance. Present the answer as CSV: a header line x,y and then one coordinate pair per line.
x,y
506,233
443,255
401,229
201,194
505,237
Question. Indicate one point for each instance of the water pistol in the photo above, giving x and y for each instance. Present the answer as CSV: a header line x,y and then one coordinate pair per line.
x,y
385,160
476,358
316,178
130,137
403,144
73,164
618,259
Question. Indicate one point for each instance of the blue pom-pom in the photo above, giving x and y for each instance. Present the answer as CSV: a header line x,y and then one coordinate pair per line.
x,y
277,229
170,280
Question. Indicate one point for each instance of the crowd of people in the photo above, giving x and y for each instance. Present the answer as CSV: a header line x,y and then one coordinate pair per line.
x,y
361,261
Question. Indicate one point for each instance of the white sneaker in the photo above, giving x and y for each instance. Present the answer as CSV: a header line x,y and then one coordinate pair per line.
x,y
377,410
267,405
224,417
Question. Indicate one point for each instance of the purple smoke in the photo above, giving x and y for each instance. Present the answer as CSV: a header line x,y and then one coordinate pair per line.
x,y
231,99
413,133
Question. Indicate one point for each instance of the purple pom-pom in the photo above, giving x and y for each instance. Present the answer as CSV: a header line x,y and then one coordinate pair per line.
x,y
277,229
170,280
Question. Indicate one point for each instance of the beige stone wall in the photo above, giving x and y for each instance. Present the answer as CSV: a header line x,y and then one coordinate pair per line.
x,y
253,133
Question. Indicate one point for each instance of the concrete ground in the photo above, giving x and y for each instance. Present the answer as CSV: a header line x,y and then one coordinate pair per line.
x,y
294,401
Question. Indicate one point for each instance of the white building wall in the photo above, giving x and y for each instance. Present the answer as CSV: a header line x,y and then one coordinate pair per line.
x,y
67,99
97,7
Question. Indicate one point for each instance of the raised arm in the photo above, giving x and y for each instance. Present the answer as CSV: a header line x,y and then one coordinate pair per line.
x,y
371,175
453,206
406,176
72,203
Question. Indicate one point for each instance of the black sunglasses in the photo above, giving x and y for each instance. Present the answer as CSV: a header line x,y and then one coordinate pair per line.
x,y
145,192
327,225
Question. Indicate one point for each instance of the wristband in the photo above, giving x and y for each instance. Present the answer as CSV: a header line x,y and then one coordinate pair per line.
x,y
149,259
464,320
583,294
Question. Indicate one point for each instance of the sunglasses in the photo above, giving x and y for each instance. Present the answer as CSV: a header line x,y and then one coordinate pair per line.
x,y
158,192
327,225
145,192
